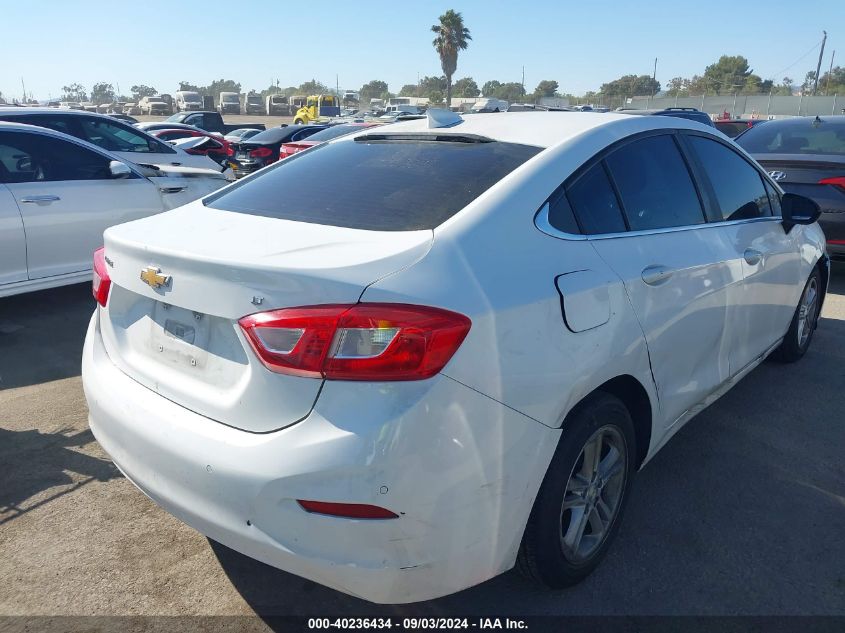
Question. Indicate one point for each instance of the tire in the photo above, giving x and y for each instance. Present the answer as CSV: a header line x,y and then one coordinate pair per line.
x,y
804,322
552,553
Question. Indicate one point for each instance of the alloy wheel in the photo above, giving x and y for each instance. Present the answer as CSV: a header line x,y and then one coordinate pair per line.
x,y
593,494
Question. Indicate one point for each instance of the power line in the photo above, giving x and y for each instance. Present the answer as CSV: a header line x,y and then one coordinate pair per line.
x,y
774,75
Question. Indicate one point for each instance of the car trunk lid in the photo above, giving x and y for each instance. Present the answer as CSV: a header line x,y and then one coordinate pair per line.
x,y
182,340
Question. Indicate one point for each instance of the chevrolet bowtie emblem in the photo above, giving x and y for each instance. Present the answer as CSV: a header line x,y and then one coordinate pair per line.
x,y
153,278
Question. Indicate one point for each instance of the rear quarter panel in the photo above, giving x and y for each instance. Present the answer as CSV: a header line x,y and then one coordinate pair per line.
x,y
491,263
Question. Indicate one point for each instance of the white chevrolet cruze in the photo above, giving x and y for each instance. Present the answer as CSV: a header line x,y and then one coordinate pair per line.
x,y
404,361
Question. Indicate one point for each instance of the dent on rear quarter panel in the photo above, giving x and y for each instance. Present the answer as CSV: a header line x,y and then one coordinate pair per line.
x,y
492,264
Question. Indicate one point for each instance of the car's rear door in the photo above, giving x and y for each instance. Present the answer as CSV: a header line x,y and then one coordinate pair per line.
x,y
742,203
12,236
645,216
67,198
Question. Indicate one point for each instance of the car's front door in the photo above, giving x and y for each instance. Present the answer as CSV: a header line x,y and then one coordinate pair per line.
x,y
678,275
748,215
67,198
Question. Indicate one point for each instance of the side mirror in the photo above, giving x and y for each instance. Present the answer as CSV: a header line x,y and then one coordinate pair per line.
x,y
119,170
798,210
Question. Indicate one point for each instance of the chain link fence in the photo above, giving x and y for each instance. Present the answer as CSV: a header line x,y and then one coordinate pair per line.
x,y
762,106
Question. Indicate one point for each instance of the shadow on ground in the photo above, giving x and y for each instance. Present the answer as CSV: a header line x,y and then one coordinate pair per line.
x,y
34,462
41,335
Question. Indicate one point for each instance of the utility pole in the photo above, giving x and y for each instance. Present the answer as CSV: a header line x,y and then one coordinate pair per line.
x,y
523,79
654,78
819,65
23,87
829,73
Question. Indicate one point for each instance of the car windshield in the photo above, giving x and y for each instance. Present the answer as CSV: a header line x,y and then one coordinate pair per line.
x,y
799,136
334,132
381,184
230,98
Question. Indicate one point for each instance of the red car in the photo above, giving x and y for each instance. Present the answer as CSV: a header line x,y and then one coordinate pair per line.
x,y
289,149
218,148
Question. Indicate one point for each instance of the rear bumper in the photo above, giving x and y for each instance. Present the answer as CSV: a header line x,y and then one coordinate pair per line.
x,y
461,469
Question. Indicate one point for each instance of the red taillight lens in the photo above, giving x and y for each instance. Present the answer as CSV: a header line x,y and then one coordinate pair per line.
x,y
102,282
230,151
347,510
261,152
838,181
367,341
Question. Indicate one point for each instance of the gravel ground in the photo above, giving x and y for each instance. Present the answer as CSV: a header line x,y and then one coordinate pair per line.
x,y
743,512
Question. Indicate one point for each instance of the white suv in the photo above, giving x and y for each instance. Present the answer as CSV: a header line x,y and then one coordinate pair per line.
x,y
452,355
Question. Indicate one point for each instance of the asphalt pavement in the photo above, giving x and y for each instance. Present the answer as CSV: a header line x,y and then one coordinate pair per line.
x,y
743,512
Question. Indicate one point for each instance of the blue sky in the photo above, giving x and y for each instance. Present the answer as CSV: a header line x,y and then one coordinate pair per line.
x,y
51,43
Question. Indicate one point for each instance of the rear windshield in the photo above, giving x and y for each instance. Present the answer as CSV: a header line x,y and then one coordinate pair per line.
x,y
802,136
335,131
381,185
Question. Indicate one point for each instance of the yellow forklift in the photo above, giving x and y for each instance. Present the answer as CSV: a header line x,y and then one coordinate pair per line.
x,y
318,108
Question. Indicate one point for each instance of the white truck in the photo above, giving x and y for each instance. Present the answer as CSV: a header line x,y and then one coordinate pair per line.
x,y
229,103
489,104
188,100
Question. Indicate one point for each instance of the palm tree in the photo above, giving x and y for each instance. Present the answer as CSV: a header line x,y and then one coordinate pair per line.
x,y
452,36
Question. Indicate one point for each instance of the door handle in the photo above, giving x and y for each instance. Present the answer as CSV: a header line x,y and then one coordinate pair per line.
x,y
172,189
656,275
40,199
752,256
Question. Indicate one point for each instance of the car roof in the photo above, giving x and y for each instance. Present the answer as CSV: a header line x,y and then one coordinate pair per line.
x,y
4,110
541,129
804,121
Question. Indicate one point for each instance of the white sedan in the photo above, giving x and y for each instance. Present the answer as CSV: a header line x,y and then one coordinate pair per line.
x,y
58,194
455,353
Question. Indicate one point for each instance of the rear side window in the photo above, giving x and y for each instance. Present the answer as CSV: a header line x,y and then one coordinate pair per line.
x,y
36,158
654,184
594,202
117,137
738,187
377,185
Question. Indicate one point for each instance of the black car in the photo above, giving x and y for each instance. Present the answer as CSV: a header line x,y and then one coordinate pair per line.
x,y
693,114
806,155
263,148
734,127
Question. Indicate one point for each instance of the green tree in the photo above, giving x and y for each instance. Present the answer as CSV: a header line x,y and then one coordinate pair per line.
x,y
221,85
138,92
183,85
409,90
435,97
490,87
74,92
466,87
430,84
833,82
372,90
102,93
452,37
677,86
546,88
630,85
313,87
512,92
731,74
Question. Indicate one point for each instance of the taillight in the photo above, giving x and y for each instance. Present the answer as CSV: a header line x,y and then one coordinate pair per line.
x,y
102,282
366,341
838,181
261,152
230,151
